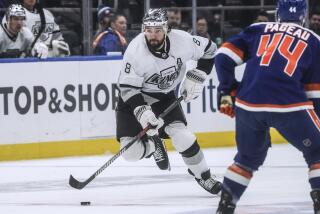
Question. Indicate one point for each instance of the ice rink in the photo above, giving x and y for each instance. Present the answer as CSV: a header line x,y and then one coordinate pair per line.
x,y
41,186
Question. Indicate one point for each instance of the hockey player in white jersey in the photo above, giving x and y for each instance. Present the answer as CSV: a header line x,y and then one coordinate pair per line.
x,y
51,35
15,39
153,66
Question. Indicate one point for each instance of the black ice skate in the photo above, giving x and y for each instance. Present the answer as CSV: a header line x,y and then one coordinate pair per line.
x,y
160,154
315,195
225,205
207,182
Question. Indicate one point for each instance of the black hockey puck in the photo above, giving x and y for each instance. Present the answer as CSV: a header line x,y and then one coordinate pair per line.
x,y
85,203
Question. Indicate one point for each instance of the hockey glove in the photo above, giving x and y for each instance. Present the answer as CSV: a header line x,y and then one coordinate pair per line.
x,y
40,50
145,116
192,85
60,48
226,102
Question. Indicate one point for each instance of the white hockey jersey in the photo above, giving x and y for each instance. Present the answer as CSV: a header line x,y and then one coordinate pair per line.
x,y
51,31
144,71
15,45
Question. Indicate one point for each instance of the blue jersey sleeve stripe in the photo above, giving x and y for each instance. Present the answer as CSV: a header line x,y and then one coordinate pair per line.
x,y
312,90
235,53
313,94
312,87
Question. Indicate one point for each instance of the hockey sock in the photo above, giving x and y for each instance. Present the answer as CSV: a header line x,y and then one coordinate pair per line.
x,y
236,181
194,159
314,176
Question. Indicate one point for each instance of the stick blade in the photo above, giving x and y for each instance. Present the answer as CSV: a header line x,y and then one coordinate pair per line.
x,y
75,183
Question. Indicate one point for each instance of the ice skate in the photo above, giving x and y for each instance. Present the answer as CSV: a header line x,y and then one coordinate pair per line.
x,y
225,205
207,182
315,195
160,154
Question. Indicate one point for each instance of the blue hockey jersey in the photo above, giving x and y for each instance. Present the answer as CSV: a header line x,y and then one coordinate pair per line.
x,y
282,67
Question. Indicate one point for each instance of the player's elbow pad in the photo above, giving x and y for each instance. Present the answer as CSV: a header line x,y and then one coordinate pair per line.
x,y
205,65
210,50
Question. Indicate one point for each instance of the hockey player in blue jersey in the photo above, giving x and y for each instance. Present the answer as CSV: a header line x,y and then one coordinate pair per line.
x,y
280,88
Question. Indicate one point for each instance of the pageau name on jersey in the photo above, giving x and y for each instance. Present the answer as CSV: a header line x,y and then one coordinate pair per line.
x,y
284,50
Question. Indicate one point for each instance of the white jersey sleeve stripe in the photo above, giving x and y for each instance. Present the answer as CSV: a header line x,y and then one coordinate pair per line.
x,y
312,90
210,50
313,94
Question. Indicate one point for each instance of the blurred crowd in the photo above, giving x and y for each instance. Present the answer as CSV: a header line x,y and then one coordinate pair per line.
x,y
116,23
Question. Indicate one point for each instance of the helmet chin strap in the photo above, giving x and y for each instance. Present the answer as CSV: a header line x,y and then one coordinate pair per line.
x,y
164,43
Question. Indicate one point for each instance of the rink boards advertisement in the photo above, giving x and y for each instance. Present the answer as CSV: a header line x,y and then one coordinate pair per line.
x,y
56,108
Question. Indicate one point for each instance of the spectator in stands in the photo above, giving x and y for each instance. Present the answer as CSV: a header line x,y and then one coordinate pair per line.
x,y
113,39
184,26
202,27
215,29
51,34
164,3
70,23
3,5
315,22
15,39
104,18
262,16
314,4
174,18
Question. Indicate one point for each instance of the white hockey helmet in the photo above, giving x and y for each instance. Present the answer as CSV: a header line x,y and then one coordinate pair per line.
x,y
16,10
155,18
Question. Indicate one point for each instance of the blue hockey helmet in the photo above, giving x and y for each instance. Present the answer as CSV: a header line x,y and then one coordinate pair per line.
x,y
291,11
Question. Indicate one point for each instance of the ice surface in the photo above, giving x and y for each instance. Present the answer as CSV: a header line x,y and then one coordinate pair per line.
x,y
41,186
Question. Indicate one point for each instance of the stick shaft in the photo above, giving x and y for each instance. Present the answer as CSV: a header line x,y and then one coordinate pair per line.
x,y
39,7
79,185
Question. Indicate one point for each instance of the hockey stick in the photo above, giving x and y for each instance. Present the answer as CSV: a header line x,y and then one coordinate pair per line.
x,y
80,185
39,7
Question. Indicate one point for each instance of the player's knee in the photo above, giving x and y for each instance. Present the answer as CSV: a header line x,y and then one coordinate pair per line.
x,y
192,151
252,162
182,138
312,156
314,175
135,152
